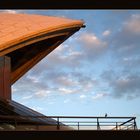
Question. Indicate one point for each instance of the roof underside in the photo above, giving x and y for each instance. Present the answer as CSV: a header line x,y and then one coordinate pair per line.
x,y
27,39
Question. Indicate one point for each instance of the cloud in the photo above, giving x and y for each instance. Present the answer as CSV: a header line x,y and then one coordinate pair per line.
x,y
90,39
106,33
83,96
57,72
92,46
87,81
67,91
130,62
41,93
126,42
52,72
27,97
17,11
14,89
29,85
99,96
65,81
9,11
62,57
132,25
66,101
128,86
108,75
53,82
123,76
66,58
122,85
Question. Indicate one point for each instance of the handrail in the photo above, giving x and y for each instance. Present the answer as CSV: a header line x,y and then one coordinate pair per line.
x,y
88,117
99,121
126,121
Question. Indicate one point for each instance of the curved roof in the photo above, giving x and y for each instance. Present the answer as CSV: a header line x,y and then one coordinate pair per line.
x,y
29,38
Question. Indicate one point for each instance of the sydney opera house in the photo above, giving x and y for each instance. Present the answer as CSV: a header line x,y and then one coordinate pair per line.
x,y
25,40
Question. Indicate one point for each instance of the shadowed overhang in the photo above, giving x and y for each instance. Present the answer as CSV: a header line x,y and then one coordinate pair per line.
x,y
27,39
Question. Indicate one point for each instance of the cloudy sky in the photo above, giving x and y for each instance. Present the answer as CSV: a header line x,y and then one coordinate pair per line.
x,y
96,71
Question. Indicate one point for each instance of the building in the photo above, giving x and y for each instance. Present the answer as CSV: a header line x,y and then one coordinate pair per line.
x,y
24,41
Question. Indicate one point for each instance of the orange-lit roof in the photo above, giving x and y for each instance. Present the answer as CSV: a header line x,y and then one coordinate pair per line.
x,y
28,38
15,28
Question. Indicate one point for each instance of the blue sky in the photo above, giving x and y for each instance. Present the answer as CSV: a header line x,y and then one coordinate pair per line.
x,y
96,71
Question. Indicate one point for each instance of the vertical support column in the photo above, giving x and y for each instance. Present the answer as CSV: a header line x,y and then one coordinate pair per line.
x,y
58,127
5,75
116,126
135,125
78,125
98,125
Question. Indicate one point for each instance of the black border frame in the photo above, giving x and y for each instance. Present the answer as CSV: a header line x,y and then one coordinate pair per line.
x,y
69,4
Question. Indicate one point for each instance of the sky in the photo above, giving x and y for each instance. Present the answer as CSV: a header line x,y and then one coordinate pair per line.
x,y
95,71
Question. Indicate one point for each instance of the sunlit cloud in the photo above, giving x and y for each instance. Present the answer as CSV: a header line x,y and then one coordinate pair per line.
x,y
126,41
9,11
41,93
106,33
27,97
132,25
67,100
92,46
65,81
123,85
83,96
14,89
91,40
66,91
99,96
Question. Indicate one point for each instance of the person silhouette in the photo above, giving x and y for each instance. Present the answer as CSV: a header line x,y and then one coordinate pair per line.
x,y
105,114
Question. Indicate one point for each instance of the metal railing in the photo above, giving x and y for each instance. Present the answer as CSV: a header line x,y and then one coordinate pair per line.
x,y
67,123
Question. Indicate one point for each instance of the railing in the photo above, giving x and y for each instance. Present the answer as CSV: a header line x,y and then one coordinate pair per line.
x,y
68,123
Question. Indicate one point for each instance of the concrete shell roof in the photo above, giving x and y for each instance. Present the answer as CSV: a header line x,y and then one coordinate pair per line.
x,y
27,38
15,28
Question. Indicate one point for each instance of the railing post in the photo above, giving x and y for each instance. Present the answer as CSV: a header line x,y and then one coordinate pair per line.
x,y
135,125
98,125
78,125
116,126
58,127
